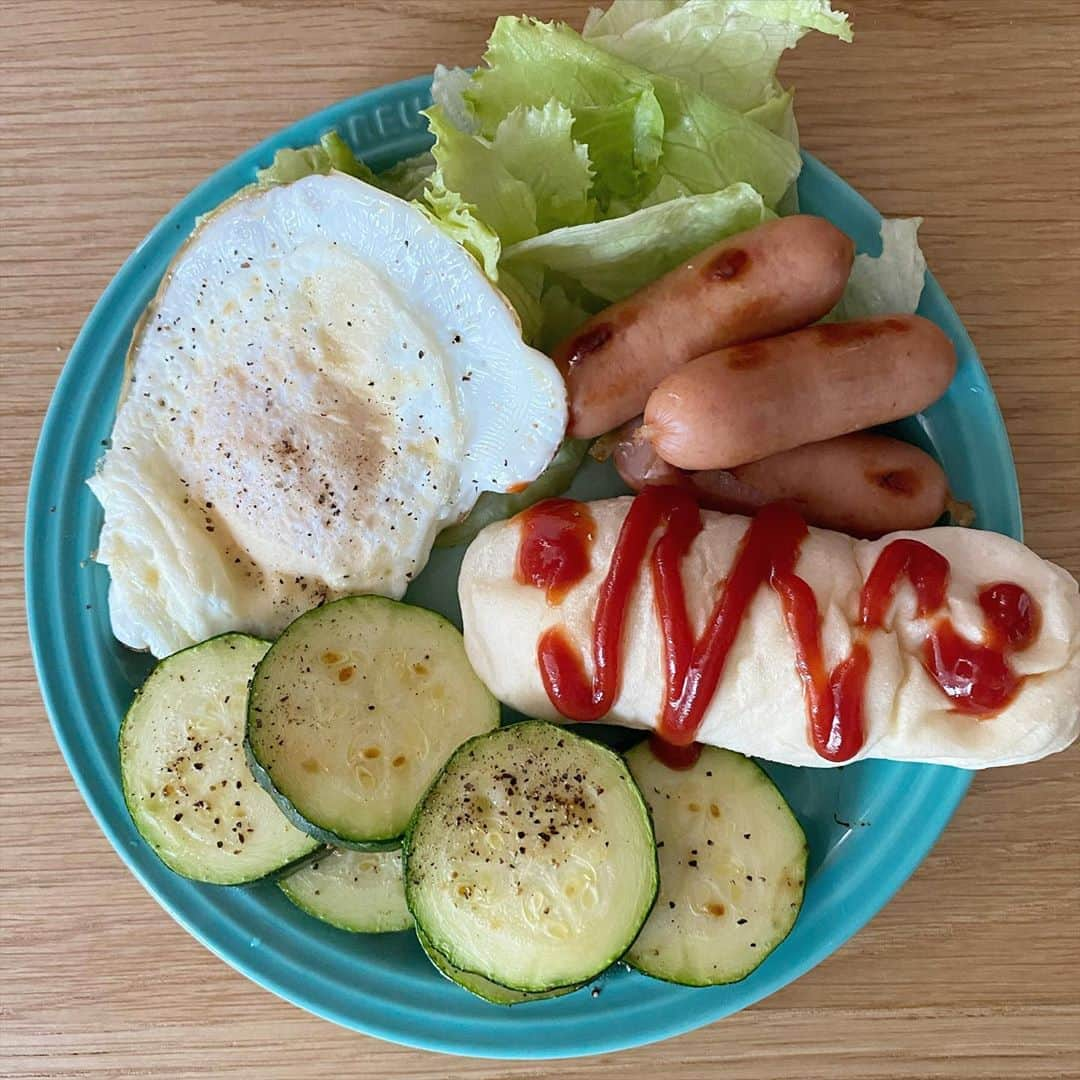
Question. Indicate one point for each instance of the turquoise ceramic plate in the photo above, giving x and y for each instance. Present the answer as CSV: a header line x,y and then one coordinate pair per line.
x,y
869,825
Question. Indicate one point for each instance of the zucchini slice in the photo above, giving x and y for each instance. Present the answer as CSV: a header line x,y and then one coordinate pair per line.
x,y
483,988
353,712
531,860
360,891
186,782
732,868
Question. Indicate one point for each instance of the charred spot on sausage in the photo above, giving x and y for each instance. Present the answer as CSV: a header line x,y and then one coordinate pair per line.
x,y
896,481
849,333
588,342
727,265
746,357
859,331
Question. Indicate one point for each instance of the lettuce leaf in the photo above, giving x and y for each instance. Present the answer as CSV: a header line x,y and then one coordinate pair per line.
x,y
620,15
727,50
667,188
637,125
459,221
611,259
708,146
614,108
523,285
778,116
408,178
890,282
532,176
472,168
331,152
448,86
578,169
535,145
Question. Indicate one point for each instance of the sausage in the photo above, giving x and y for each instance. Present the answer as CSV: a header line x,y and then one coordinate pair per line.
x,y
750,401
773,278
640,466
637,462
863,484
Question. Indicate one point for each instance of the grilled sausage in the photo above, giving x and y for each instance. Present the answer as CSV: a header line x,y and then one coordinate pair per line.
x,y
863,484
769,280
750,401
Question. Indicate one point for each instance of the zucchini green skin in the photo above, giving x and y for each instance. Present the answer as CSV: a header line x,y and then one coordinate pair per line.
x,y
650,867
372,902
325,837
297,849
282,872
765,911
485,989
379,618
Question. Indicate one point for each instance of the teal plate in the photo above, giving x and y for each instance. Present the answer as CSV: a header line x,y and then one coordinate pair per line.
x,y
869,825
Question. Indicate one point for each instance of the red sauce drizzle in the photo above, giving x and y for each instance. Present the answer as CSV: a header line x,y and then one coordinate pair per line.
x,y
571,691
554,555
1012,614
556,546
975,675
834,699
674,757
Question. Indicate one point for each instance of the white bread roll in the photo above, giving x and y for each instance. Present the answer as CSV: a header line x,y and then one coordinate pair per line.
x,y
758,707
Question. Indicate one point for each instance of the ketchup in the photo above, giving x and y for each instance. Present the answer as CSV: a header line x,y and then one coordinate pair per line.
x,y
555,550
571,691
554,554
674,757
975,675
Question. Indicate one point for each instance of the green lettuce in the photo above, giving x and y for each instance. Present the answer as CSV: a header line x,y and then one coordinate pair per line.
x,y
530,177
611,259
536,146
473,168
562,310
455,154
578,168
638,125
708,146
523,286
331,152
615,111
778,116
448,86
892,281
447,209
408,178
667,188
727,50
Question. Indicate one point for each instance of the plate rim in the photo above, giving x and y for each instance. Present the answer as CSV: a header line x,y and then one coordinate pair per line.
x,y
431,1037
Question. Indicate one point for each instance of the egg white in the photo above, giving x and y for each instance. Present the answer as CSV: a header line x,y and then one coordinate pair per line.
x,y
324,381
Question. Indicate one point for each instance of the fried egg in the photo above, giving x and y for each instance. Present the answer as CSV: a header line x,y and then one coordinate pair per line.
x,y
323,382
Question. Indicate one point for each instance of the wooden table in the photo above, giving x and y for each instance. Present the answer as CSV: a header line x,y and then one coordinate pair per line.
x,y
964,111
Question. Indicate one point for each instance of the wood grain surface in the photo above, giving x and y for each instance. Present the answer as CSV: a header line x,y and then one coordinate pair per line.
x,y
964,111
